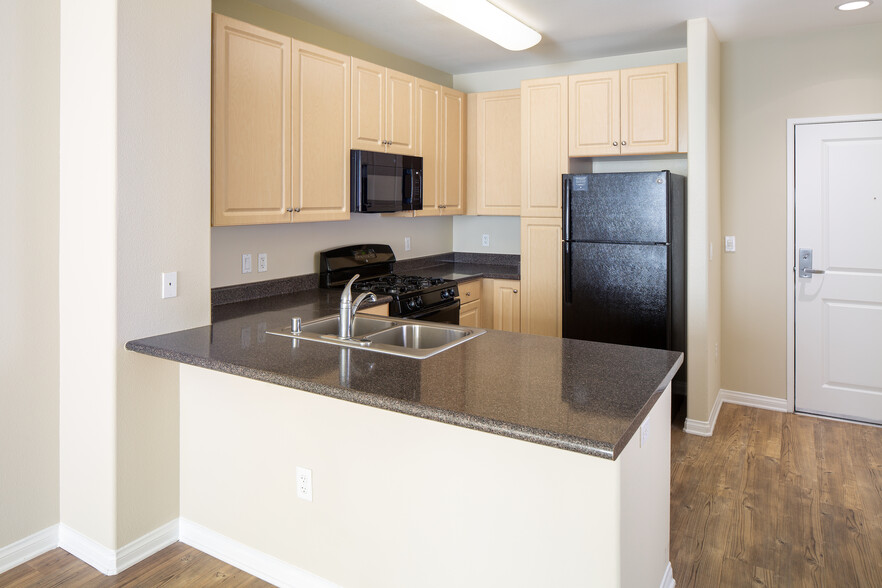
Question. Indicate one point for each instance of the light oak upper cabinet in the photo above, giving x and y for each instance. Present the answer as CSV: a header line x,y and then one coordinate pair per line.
x,y
541,276
627,112
428,144
453,164
383,109
320,151
251,125
494,153
544,155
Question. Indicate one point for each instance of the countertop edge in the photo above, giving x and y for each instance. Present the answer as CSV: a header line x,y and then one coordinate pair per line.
x,y
529,434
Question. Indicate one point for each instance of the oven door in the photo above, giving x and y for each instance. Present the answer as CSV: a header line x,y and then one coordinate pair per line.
x,y
446,313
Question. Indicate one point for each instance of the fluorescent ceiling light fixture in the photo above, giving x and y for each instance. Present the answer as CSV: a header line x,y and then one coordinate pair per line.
x,y
854,5
488,21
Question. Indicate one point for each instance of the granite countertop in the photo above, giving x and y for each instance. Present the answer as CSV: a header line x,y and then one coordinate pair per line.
x,y
575,395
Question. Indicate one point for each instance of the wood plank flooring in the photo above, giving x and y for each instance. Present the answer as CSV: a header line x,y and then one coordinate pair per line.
x,y
772,499
176,565
776,499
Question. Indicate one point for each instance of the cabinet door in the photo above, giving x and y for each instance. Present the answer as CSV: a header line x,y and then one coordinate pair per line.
x,y
368,104
507,305
321,134
251,124
400,113
470,314
541,276
594,114
428,143
544,155
453,121
498,152
649,109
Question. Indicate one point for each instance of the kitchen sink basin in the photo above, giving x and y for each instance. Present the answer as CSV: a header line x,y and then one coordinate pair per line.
x,y
418,336
403,337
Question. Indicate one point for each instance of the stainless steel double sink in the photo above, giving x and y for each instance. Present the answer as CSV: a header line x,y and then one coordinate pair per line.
x,y
394,336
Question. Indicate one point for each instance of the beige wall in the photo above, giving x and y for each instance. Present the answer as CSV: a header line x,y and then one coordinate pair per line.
x,y
292,248
302,30
765,82
703,221
163,207
29,102
403,501
135,142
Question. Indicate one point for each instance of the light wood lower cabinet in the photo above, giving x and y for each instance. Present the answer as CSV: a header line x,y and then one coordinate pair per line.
x,y
379,310
541,276
471,313
251,124
503,304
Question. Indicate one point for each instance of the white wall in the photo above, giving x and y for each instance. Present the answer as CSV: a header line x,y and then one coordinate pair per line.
x,y
765,82
134,182
504,231
292,249
29,103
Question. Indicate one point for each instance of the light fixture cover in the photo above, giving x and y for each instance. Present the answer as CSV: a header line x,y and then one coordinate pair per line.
x,y
488,21
854,5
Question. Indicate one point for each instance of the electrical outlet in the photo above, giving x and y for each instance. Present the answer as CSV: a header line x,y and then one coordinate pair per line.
x,y
730,243
169,284
407,243
304,483
261,262
644,433
246,263
485,240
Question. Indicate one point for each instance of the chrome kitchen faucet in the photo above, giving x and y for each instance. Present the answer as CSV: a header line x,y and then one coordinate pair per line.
x,y
349,306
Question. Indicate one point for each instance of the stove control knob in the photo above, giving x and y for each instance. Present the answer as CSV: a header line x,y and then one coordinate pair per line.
x,y
445,293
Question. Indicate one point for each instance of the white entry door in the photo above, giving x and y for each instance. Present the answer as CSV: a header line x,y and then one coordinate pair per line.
x,y
838,318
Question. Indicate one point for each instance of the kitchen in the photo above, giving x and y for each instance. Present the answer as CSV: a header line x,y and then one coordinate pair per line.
x,y
752,367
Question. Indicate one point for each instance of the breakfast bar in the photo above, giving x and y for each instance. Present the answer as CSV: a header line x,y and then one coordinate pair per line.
x,y
510,459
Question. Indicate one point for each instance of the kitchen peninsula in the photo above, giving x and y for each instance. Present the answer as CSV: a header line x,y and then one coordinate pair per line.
x,y
510,459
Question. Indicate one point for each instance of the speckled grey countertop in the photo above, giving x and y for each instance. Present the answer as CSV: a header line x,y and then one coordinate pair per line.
x,y
575,395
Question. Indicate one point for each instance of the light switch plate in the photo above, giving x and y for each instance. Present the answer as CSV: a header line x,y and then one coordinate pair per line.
x,y
169,284
246,263
730,243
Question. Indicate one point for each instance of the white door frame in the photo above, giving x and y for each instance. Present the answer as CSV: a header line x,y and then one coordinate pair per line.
x,y
791,235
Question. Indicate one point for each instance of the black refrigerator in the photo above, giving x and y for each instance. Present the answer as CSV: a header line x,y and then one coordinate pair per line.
x,y
624,259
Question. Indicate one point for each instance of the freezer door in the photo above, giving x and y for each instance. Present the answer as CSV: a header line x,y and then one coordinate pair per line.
x,y
619,208
617,294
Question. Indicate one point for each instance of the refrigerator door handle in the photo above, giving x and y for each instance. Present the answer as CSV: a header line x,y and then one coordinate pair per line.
x,y
567,274
567,194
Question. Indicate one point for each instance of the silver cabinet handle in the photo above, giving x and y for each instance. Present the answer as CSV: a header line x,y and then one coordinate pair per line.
x,y
624,143
615,143
289,210
296,210
514,291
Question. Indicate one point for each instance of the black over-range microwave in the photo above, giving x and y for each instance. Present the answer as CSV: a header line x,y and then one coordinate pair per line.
x,y
384,182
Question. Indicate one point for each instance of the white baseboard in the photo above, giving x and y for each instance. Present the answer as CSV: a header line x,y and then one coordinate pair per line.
x,y
256,563
28,548
706,428
88,550
668,579
112,561
755,400
142,548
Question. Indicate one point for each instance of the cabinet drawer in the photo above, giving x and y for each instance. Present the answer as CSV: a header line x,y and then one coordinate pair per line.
x,y
470,291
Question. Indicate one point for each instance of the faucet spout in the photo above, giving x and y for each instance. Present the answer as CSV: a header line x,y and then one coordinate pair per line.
x,y
348,308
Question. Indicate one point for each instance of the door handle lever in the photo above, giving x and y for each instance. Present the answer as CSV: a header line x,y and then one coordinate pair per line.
x,y
805,264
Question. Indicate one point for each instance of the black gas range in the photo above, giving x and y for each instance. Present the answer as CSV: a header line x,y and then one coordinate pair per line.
x,y
414,297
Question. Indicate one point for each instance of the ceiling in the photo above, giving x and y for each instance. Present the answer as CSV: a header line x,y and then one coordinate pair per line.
x,y
572,30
